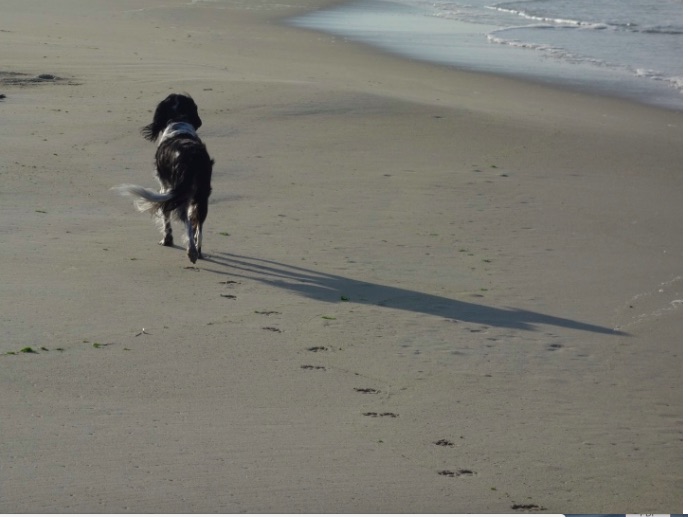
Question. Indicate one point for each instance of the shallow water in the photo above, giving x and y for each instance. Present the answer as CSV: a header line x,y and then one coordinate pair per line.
x,y
624,48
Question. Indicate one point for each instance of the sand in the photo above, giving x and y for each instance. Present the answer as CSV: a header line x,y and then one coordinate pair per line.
x,y
425,291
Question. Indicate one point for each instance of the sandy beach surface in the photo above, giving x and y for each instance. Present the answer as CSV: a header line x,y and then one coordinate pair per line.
x,y
425,290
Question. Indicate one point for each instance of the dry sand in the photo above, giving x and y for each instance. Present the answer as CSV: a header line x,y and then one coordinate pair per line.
x,y
426,291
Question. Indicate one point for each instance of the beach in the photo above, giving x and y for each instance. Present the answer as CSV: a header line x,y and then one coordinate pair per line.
x,y
425,290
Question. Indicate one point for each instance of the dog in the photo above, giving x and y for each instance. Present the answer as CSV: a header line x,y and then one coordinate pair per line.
x,y
183,168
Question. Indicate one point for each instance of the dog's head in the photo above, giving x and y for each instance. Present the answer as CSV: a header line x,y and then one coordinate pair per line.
x,y
175,108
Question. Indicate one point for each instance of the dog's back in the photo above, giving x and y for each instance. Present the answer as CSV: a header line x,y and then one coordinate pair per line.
x,y
185,169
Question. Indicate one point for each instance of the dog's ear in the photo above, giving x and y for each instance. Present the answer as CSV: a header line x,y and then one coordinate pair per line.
x,y
193,117
187,110
149,133
163,113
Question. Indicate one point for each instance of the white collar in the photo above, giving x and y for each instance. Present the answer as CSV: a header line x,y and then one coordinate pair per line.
x,y
177,128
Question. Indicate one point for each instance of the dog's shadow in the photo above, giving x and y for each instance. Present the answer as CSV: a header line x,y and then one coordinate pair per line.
x,y
338,289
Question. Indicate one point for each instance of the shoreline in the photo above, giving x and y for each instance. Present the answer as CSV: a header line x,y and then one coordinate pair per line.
x,y
425,291
403,32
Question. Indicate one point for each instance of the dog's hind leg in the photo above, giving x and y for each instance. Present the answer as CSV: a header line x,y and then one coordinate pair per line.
x,y
166,227
197,214
164,217
199,239
191,250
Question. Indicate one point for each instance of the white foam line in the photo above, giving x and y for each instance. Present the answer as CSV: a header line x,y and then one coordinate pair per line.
x,y
556,21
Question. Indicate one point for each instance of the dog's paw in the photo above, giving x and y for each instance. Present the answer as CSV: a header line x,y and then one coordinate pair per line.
x,y
167,241
192,253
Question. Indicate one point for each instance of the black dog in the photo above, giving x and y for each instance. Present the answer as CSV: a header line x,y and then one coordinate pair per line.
x,y
183,168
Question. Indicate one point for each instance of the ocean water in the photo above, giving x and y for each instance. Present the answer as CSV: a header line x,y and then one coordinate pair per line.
x,y
625,48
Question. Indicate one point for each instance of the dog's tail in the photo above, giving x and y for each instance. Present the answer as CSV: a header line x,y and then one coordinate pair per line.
x,y
148,200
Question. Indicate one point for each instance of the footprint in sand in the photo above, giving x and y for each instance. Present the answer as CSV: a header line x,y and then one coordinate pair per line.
x,y
528,507
456,473
367,390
